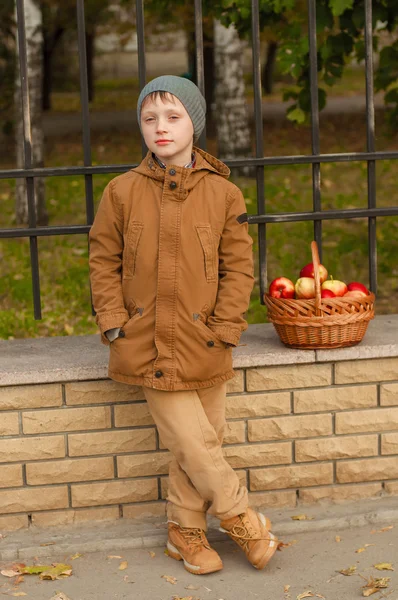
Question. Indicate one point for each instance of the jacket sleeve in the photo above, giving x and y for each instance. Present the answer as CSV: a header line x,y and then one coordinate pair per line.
x,y
106,253
235,274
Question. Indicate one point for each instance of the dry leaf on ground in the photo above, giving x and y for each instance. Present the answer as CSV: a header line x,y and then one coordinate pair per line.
x,y
169,579
302,518
166,552
9,573
282,545
384,567
77,555
375,585
286,588
337,538
184,598
58,571
383,529
152,554
305,595
19,594
48,544
123,565
114,556
350,571
360,550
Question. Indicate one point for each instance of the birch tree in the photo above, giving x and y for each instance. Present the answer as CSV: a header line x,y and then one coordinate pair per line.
x,y
34,42
231,110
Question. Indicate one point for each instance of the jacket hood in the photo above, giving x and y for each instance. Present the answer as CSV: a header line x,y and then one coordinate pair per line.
x,y
205,164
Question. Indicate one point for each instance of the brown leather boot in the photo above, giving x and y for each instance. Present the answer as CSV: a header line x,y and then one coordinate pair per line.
x,y
191,546
249,531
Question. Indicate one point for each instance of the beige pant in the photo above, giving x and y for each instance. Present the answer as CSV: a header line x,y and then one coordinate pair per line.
x,y
191,425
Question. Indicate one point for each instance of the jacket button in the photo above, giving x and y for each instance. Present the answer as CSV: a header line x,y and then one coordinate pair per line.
x,y
172,171
159,374
122,333
210,343
173,185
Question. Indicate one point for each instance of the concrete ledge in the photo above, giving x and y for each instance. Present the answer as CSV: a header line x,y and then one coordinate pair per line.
x,y
78,358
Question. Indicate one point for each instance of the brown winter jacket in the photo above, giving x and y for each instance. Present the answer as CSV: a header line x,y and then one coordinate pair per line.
x,y
171,264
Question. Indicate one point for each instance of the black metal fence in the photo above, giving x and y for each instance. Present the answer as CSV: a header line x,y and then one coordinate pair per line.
x,y
317,215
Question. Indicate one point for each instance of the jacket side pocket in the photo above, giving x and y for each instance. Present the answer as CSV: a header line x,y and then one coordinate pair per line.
x,y
206,240
131,247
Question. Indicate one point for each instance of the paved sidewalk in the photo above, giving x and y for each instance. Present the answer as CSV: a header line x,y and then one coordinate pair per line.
x,y
310,562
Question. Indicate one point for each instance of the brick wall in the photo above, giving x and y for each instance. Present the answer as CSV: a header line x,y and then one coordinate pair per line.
x,y
296,434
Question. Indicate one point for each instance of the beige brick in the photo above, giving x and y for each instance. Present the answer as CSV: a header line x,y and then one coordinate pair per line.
x,y
337,494
10,476
391,487
274,478
389,443
258,405
112,442
32,448
290,376
379,419
30,396
258,455
289,427
237,383
60,518
389,394
27,499
66,419
336,447
10,523
285,499
370,469
355,371
63,471
235,432
114,492
9,424
335,398
144,510
133,415
101,392
164,482
154,463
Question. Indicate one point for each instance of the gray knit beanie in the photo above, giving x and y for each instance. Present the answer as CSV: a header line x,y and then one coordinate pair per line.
x,y
186,91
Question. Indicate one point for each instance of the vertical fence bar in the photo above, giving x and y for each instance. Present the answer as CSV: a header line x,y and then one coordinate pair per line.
x,y
200,70
139,5
316,167
30,188
370,144
81,39
258,120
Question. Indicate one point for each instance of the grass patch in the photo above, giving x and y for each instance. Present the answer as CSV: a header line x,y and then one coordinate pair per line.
x,y
64,259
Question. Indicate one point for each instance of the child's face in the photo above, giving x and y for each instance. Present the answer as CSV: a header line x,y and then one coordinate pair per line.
x,y
167,129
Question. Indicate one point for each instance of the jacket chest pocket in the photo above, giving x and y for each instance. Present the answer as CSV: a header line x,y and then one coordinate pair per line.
x,y
207,241
131,248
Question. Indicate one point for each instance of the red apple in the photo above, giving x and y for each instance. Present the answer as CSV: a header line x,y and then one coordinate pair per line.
x,y
358,288
327,294
338,287
308,271
305,287
282,287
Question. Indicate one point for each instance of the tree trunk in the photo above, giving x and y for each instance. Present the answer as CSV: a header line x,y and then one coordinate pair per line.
x,y
268,70
34,41
232,122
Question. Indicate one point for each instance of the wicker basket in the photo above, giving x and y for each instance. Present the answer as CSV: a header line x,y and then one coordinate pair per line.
x,y
320,322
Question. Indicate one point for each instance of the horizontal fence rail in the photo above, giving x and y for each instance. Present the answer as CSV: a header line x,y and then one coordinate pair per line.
x,y
259,161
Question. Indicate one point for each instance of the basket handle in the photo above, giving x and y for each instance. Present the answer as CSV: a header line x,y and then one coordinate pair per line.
x,y
316,262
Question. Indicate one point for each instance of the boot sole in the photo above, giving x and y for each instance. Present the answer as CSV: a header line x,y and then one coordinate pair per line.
x,y
173,552
273,546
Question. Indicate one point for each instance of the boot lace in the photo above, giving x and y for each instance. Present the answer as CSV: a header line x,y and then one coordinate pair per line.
x,y
243,533
195,538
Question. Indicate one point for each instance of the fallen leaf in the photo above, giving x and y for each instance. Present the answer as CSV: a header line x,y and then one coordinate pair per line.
x,y
350,571
77,555
58,571
19,580
184,598
48,544
286,588
383,529
305,595
375,585
302,518
369,592
123,565
360,550
169,579
152,554
384,567
19,594
191,587
206,588
282,545
337,538
166,552
114,556
9,573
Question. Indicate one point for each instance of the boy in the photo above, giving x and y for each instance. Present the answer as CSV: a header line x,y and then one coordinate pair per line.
x,y
171,272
